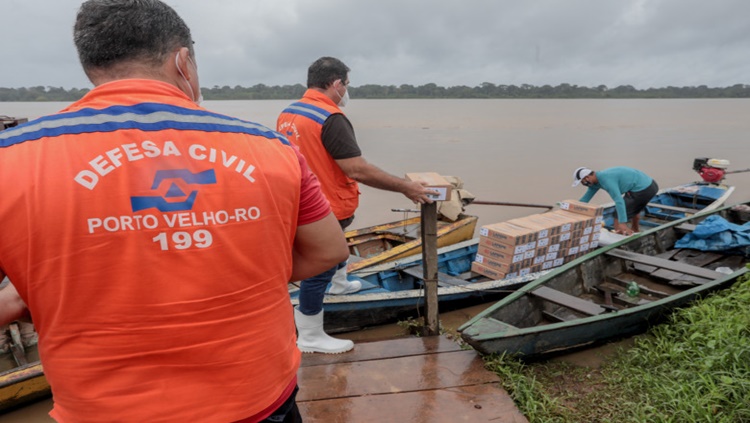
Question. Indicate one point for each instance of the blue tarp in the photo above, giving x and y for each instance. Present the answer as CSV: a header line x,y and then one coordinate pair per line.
x,y
717,234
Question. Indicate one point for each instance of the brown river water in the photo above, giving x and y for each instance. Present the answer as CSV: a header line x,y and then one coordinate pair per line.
x,y
521,151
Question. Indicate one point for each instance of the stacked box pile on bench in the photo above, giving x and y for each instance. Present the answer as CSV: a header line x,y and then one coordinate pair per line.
x,y
538,242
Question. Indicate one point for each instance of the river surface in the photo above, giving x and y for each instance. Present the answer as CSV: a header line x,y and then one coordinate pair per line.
x,y
521,151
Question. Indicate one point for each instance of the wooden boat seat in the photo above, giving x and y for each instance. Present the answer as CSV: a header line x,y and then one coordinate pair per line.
x,y
444,279
567,300
665,264
674,208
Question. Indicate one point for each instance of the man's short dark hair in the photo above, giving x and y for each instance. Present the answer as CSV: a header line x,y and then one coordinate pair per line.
x,y
324,71
110,32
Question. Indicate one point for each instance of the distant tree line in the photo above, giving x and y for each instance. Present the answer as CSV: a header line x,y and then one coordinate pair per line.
x,y
485,90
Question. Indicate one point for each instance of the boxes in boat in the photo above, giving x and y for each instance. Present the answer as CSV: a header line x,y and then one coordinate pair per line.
x,y
502,266
542,228
506,256
577,221
435,182
487,271
502,247
496,274
534,243
509,233
544,221
586,209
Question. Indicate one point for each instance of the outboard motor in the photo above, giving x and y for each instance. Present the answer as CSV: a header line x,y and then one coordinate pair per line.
x,y
711,170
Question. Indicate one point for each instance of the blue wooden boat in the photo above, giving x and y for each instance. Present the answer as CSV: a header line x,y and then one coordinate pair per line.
x,y
394,291
671,204
586,301
676,203
396,240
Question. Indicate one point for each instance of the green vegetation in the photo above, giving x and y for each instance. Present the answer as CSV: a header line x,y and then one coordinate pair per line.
x,y
485,90
694,368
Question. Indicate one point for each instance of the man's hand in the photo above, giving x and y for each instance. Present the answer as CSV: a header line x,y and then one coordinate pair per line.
x,y
418,193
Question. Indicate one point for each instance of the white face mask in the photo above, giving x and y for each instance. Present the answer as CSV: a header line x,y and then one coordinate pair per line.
x,y
344,98
197,101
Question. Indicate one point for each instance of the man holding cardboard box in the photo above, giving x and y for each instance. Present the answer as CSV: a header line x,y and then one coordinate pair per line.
x,y
326,138
630,189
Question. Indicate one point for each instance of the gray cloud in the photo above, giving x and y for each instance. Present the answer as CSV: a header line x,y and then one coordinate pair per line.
x,y
644,43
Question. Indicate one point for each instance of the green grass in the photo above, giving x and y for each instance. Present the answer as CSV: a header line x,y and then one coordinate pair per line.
x,y
694,368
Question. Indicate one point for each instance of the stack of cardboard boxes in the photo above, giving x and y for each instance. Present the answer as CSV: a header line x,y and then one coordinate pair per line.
x,y
538,242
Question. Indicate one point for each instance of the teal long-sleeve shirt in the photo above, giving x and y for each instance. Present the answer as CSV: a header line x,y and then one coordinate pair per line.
x,y
617,181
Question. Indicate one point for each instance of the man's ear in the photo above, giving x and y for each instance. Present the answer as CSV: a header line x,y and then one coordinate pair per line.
x,y
182,62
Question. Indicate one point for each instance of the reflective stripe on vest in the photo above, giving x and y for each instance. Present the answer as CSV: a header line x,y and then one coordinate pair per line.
x,y
144,117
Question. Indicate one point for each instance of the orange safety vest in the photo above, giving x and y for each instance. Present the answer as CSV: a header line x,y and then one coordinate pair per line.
x,y
302,123
152,241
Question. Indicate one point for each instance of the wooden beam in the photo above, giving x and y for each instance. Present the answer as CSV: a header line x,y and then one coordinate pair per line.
x,y
665,264
567,300
674,208
429,261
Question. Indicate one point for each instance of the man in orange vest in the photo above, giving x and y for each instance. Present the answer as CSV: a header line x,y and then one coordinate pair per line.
x,y
153,240
326,138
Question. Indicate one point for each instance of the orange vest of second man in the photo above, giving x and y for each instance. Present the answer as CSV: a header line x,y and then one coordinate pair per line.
x,y
302,123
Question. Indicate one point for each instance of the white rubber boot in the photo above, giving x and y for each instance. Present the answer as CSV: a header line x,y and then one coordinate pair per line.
x,y
340,285
311,338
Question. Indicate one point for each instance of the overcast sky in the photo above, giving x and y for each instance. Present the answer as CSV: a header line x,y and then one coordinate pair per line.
x,y
643,43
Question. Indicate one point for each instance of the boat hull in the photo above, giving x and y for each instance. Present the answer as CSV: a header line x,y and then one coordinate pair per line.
x,y
370,246
676,203
393,291
23,385
533,323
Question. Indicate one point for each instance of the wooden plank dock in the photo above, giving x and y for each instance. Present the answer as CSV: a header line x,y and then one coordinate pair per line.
x,y
414,380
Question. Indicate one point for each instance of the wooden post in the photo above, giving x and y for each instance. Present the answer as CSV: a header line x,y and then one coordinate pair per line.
x,y
430,265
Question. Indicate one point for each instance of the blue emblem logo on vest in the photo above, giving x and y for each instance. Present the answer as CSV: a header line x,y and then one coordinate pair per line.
x,y
167,203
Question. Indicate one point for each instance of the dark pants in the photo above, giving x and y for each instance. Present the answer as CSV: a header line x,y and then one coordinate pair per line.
x,y
313,290
636,201
287,412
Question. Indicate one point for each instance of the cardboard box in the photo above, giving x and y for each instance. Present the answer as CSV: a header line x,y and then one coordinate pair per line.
x,y
509,233
434,182
486,271
577,221
562,223
585,209
542,229
497,265
546,219
499,246
543,220
501,266
501,256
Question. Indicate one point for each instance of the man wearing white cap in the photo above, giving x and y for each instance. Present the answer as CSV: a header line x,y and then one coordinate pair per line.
x,y
630,189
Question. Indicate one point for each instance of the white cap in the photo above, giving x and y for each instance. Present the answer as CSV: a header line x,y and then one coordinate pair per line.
x,y
579,174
